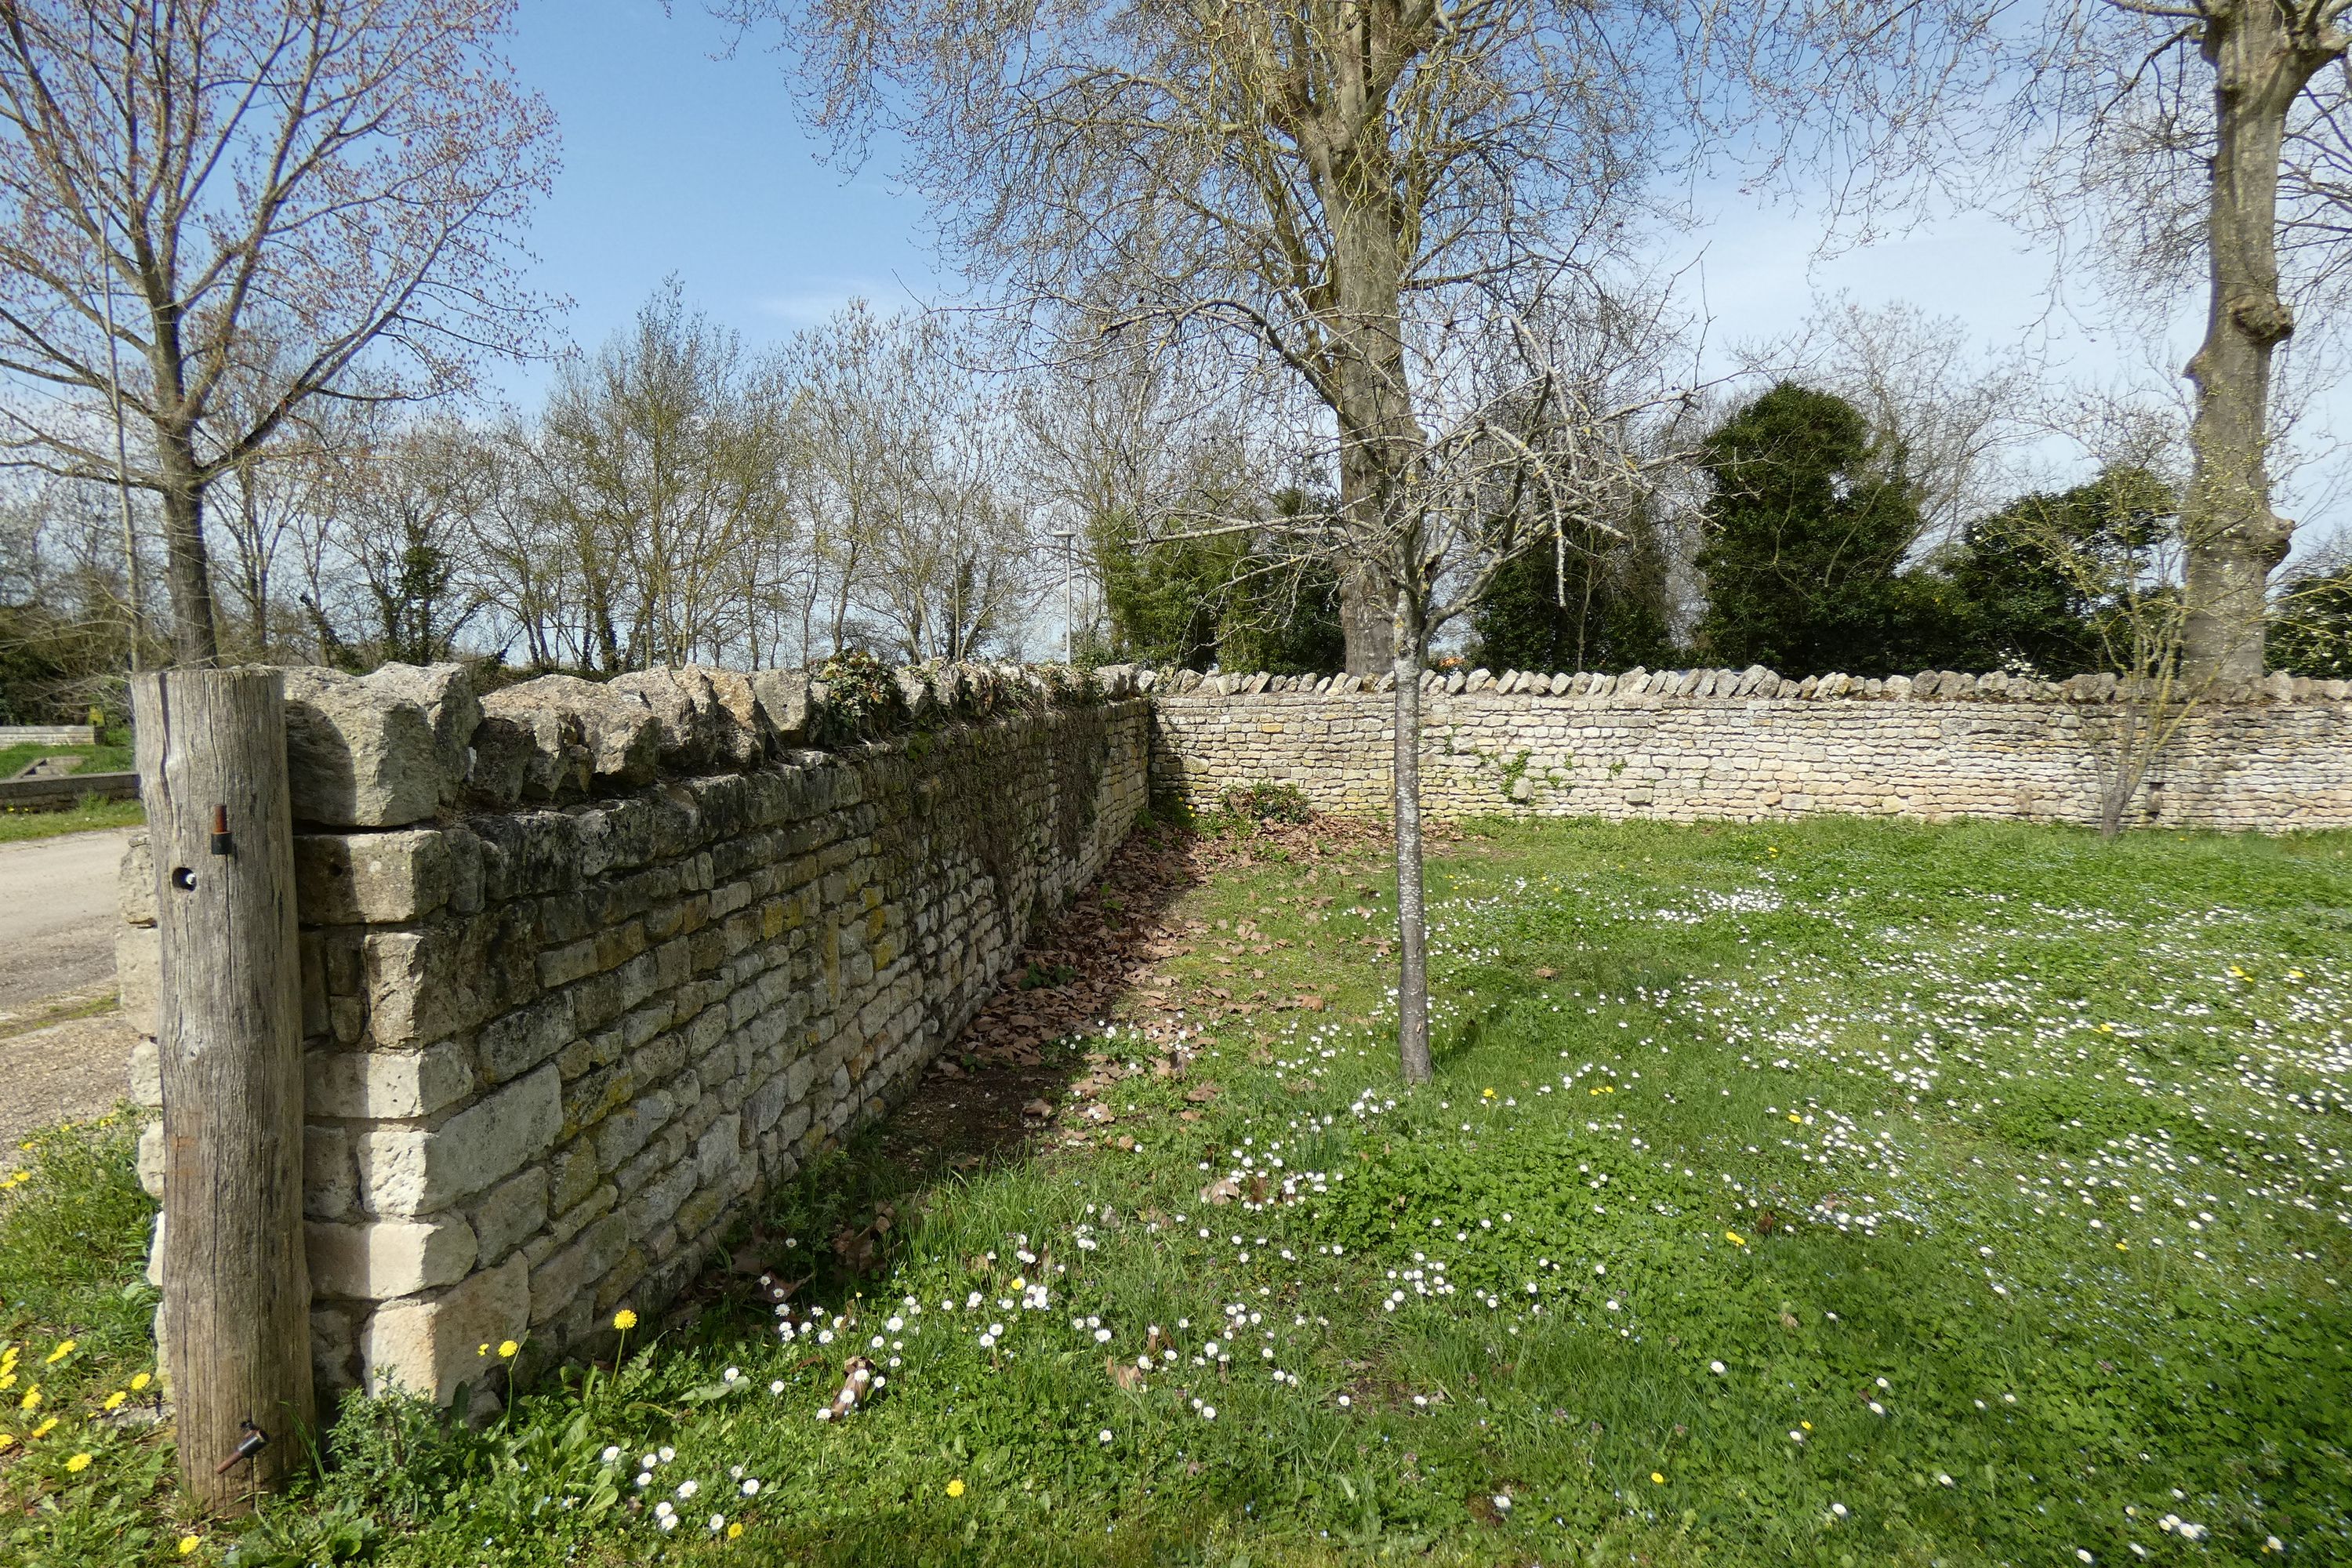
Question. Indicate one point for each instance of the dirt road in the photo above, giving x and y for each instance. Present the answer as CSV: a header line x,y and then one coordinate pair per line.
x,y
63,1048
57,915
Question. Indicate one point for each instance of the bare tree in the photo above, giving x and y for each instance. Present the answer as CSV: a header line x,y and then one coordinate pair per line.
x,y
855,432
1293,173
2200,143
665,463
1524,426
1954,413
346,180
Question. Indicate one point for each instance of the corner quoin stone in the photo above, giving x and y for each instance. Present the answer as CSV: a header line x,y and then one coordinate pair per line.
x,y
408,1170
432,1345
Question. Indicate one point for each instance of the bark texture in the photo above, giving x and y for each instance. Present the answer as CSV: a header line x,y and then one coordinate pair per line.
x,y
1412,925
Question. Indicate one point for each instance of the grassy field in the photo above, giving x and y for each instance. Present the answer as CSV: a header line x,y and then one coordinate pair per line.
x,y
17,826
94,758
1835,1192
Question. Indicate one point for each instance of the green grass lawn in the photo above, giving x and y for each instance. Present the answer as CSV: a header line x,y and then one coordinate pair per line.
x,y
94,758
17,826
1833,1192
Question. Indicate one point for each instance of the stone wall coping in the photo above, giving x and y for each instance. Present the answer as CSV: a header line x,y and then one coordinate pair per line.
x,y
411,743
1754,683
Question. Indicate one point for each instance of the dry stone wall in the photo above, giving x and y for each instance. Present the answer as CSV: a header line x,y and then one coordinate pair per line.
x,y
588,967
1686,745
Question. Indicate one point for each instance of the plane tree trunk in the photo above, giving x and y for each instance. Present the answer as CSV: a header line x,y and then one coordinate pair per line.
x,y
2262,61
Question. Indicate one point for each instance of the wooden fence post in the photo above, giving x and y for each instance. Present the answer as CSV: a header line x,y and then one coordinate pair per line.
x,y
236,1286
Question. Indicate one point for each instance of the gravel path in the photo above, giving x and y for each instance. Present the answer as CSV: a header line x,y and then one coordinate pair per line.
x,y
65,1072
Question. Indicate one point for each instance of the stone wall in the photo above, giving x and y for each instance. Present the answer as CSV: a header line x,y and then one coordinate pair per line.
x,y
1686,745
588,967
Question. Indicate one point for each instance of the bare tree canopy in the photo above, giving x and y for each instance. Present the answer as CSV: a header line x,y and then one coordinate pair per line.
x,y
1308,176
246,204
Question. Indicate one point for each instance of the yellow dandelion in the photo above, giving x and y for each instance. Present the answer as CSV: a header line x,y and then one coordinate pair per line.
x,y
1806,1425
1486,1093
189,1543
1794,1117
140,1381
955,1487
77,1463
1657,1479
114,1400
507,1348
32,1400
8,1441
2123,1247
483,1349
625,1319
735,1530
1734,1237
43,1429
65,1348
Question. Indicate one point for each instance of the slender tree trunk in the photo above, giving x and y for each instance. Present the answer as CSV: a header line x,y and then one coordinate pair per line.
x,y
1409,638
187,566
1374,412
2260,66
255,566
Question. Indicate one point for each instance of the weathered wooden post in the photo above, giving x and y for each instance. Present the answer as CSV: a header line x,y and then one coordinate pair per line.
x,y
236,1287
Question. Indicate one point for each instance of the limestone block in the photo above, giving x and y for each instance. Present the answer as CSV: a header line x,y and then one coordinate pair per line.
x,y
139,977
520,1040
377,750
384,1258
719,1152
559,1282
704,718
538,720
430,1344
384,1086
511,1214
151,1159
134,883
334,1348
331,1181
413,1171
146,1088
379,878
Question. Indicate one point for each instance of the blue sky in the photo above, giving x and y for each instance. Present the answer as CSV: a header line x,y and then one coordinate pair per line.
x,y
678,161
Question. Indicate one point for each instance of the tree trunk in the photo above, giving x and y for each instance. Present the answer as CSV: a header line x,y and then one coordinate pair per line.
x,y
1409,638
1374,413
186,564
2233,538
